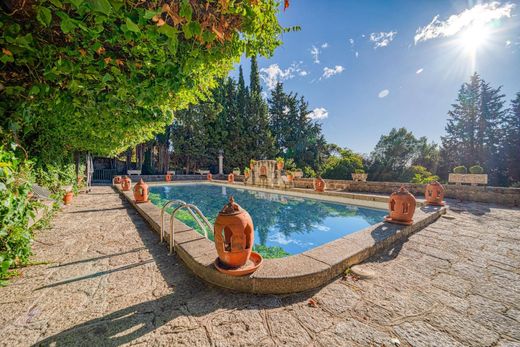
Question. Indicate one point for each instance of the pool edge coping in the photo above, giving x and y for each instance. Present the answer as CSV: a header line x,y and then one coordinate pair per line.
x,y
296,273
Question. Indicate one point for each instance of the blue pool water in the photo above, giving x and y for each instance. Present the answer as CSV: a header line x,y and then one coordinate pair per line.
x,y
283,224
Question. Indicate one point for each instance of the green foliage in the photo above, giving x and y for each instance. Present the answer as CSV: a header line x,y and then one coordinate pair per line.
x,y
104,75
476,169
268,252
279,160
237,169
15,211
396,152
421,175
476,130
247,170
460,169
309,172
290,164
55,175
343,166
359,171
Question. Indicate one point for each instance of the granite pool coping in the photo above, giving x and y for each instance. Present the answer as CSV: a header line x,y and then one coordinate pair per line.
x,y
296,273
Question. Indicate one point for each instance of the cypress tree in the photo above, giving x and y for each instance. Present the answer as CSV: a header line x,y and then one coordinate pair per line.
x,y
512,141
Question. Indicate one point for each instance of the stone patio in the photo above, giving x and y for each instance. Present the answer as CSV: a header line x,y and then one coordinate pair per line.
x,y
109,282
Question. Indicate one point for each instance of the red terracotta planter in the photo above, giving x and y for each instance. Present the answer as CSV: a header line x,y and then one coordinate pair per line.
x,y
401,206
234,235
290,177
319,184
126,183
434,194
67,198
117,180
141,191
168,177
210,177
231,178
279,165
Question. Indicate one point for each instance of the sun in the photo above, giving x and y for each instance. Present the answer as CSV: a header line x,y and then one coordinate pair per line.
x,y
474,37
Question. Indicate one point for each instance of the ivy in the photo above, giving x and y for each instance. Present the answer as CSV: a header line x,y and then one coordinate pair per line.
x,y
104,75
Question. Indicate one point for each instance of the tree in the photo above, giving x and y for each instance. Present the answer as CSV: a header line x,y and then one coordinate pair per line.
x,y
511,149
393,155
102,76
475,128
341,167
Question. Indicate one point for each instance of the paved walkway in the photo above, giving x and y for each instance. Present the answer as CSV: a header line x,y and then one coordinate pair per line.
x,y
109,282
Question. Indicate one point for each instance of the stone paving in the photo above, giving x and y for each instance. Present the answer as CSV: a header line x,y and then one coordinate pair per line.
x,y
109,282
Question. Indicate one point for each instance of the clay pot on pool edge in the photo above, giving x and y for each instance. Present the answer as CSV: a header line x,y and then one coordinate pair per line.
x,y
234,235
210,177
401,206
168,177
67,198
319,184
141,191
231,178
126,183
117,180
434,194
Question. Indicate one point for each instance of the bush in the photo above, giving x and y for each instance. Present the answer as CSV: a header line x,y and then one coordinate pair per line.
x,y
421,175
359,171
309,172
15,211
343,166
476,169
460,170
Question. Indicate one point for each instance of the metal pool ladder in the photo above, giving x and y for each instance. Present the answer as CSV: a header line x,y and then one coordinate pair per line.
x,y
193,210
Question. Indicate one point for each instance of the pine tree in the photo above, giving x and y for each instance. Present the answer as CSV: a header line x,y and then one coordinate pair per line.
x,y
512,141
277,113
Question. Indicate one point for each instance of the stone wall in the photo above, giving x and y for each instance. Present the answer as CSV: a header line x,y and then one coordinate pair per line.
x,y
499,195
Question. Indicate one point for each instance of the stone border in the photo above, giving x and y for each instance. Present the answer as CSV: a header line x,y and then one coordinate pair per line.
x,y
296,273
487,194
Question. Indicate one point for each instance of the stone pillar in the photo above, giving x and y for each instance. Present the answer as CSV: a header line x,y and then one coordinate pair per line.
x,y
220,163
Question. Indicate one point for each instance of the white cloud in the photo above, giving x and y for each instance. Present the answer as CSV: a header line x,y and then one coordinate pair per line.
x,y
331,71
419,71
315,52
384,93
508,43
286,110
351,41
318,113
382,39
479,15
274,74
325,45
357,54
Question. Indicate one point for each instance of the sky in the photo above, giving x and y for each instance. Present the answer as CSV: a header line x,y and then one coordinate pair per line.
x,y
368,66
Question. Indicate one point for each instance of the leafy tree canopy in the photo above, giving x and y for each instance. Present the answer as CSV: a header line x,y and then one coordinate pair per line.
x,y
103,75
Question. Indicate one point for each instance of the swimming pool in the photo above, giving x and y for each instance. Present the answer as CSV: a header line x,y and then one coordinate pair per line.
x,y
284,225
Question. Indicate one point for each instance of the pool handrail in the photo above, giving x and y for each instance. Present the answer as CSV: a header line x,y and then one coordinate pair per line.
x,y
198,216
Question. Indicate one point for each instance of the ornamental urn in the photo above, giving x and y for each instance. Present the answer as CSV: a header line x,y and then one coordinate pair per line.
x,y
401,206
434,194
126,183
234,235
141,191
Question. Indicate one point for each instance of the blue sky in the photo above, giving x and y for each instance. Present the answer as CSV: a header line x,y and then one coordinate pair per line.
x,y
368,66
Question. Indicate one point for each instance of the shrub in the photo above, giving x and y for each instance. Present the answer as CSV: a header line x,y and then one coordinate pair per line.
x,y
359,171
15,211
460,169
236,169
476,169
247,170
309,172
342,167
280,160
421,175
289,164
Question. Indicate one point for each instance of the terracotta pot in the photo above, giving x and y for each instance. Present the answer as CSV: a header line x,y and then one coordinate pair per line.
x,y
290,177
247,174
234,235
141,191
231,178
210,177
117,180
168,177
67,198
126,183
251,166
319,184
434,194
401,206
279,165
